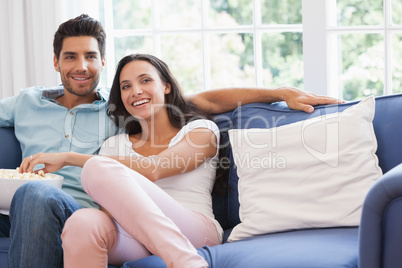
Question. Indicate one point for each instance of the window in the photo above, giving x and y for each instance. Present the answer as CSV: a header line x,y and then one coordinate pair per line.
x,y
354,50
343,48
367,38
211,43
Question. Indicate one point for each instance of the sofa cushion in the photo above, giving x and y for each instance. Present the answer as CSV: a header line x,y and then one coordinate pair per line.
x,y
388,130
261,115
309,174
329,248
220,198
4,245
10,147
321,248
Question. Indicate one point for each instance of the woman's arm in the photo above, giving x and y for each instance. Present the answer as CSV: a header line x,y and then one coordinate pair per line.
x,y
223,100
196,146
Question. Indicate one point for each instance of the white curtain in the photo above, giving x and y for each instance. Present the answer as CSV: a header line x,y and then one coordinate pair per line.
x,y
27,28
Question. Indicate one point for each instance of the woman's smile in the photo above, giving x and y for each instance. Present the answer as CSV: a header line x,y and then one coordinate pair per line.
x,y
140,102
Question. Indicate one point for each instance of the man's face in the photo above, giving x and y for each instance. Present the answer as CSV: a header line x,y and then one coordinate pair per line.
x,y
80,64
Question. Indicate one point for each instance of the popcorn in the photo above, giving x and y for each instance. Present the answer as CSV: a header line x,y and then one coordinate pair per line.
x,y
15,174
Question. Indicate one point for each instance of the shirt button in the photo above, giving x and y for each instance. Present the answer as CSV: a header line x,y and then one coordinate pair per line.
x,y
66,136
71,113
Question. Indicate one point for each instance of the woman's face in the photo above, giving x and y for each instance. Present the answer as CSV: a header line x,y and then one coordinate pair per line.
x,y
142,90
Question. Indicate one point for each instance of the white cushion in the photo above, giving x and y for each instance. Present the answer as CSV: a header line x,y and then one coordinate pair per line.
x,y
309,174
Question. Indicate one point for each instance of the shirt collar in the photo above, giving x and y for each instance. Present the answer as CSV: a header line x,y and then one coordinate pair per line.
x,y
52,94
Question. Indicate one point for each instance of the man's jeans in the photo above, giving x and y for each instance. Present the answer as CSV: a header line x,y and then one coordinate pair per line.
x,y
37,214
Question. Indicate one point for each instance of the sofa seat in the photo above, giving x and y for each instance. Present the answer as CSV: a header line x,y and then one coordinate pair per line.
x,y
318,248
331,248
4,245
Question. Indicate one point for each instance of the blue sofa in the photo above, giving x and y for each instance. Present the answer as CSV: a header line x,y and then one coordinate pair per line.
x,y
376,243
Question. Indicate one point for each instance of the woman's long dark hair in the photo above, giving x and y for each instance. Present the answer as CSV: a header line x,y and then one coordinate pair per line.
x,y
180,110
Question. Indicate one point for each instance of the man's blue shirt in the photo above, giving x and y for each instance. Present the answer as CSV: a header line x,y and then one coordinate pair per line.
x,y
43,125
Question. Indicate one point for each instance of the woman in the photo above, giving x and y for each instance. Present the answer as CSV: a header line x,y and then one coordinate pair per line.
x,y
155,186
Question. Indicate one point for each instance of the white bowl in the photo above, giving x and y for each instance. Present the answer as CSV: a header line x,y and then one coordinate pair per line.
x,y
8,186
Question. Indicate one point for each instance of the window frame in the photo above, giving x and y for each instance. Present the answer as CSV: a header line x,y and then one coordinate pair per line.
x,y
320,51
257,29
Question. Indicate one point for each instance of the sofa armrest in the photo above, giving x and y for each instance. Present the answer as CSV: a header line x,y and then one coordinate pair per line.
x,y
380,233
10,150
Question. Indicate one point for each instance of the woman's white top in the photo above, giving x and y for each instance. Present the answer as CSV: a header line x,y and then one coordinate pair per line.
x,y
192,189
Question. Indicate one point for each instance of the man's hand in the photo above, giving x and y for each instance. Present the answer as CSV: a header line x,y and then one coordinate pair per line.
x,y
304,101
52,161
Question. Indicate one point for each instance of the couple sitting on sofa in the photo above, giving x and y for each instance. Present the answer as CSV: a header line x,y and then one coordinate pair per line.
x,y
165,136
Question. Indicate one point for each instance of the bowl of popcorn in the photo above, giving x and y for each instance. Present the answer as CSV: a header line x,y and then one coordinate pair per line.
x,y
12,179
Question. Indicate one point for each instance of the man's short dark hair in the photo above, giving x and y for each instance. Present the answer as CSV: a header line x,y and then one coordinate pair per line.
x,y
82,25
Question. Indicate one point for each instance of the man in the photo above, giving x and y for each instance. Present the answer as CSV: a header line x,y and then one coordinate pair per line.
x,y
73,118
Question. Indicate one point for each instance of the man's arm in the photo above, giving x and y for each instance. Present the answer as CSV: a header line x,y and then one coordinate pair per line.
x,y
223,100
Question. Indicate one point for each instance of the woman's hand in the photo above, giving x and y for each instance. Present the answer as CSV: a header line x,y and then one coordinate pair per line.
x,y
52,161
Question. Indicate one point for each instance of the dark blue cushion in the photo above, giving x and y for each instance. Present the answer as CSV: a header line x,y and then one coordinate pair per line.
x,y
388,130
4,245
10,147
220,200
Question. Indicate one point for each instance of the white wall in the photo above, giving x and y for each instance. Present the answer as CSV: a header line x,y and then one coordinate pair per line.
x,y
27,28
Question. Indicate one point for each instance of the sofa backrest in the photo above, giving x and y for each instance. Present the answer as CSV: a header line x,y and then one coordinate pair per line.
x,y
387,126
